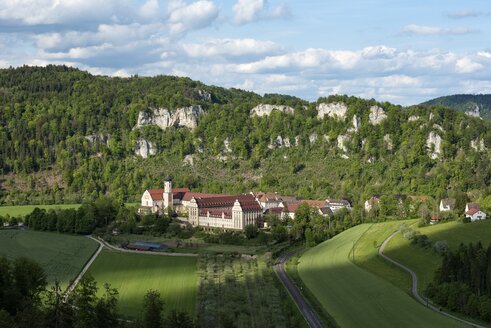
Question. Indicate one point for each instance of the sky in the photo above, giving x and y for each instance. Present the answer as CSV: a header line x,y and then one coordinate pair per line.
x,y
404,52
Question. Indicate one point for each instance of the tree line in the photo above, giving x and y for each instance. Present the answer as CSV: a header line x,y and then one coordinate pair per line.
x,y
26,301
463,281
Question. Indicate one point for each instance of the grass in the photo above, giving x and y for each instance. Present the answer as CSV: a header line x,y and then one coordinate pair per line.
x,y
22,210
192,245
134,274
355,297
61,256
366,254
425,261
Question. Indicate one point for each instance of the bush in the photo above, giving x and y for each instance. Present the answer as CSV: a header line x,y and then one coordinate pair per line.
x,y
441,247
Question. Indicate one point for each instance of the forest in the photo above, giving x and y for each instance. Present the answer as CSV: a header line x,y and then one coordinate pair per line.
x,y
463,282
67,136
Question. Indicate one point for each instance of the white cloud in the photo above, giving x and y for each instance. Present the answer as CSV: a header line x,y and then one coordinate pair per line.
x,y
149,9
230,47
467,65
466,14
193,16
246,11
434,30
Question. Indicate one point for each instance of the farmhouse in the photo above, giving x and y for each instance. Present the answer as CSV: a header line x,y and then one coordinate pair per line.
x,y
475,215
226,212
268,199
447,204
337,204
371,203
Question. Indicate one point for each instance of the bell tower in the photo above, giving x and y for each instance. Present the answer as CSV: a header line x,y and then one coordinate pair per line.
x,y
168,199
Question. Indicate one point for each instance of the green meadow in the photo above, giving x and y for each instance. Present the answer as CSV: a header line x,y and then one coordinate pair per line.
x,y
61,256
135,274
21,210
355,297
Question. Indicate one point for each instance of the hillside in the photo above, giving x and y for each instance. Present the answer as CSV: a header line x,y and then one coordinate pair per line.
x,y
474,105
66,136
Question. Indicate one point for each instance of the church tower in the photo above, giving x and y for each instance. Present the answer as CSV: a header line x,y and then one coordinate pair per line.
x,y
168,199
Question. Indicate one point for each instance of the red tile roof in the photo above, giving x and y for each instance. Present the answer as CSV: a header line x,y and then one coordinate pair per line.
x,y
291,208
315,203
247,202
472,211
189,195
156,194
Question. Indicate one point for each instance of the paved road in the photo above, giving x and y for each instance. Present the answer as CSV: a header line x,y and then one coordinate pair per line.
x,y
414,288
119,249
307,312
84,270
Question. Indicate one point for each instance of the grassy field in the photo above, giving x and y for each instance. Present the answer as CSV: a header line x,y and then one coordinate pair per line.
x,y
134,274
192,245
355,297
366,254
425,261
61,256
21,210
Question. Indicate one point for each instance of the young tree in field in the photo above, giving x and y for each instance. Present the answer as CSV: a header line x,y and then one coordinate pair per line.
x,y
59,314
84,300
153,308
251,231
179,319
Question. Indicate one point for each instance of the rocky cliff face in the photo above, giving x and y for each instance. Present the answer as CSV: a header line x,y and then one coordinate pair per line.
x,y
266,109
474,112
145,148
478,145
433,143
163,118
336,110
377,115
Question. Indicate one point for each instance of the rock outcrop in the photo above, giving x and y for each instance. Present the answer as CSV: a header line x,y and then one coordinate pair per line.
x,y
145,148
388,142
342,140
336,110
478,145
313,138
377,115
266,109
100,138
226,146
413,118
163,118
433,143
474,112
189,159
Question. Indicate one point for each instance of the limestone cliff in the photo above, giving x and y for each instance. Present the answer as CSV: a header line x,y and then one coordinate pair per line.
x,y
163,118
336,110
266,109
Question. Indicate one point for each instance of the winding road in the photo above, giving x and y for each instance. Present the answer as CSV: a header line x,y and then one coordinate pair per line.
x,y
307,312
414,288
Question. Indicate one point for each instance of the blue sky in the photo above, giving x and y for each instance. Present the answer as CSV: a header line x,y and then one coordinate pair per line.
x,y
399,51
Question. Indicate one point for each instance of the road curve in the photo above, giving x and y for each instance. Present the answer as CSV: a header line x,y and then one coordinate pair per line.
x,y
120,249
414,287
307,312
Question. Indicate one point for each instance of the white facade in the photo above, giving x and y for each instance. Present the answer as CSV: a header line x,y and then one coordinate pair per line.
x,y
478,216
236,221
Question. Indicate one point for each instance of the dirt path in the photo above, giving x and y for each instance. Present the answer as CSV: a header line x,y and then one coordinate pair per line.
x,y
119,249
84,270
414,288
304,307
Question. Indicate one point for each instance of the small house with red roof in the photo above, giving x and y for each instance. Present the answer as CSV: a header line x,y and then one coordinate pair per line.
x,y
473,212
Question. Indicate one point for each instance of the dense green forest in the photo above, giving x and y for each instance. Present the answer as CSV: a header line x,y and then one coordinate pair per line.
x,y
465,103
67,136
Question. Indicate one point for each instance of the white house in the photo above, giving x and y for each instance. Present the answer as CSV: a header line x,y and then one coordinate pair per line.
x,y
447,204
374,201
337,204
475,215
